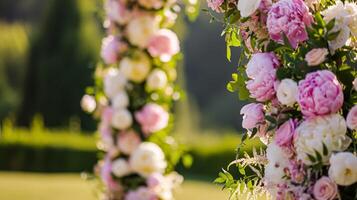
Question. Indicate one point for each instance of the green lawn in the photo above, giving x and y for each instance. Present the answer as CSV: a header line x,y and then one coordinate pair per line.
x,y
30,186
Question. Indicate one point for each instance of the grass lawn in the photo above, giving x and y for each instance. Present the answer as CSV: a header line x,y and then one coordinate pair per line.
x,y
30,186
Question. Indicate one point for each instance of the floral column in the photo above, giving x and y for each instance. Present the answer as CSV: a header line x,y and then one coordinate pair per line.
x,y
134,93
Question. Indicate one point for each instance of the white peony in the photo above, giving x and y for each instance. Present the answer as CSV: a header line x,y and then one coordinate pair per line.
x,y
120,100
277,162
88,103
120,167
313,133
122,119
156,80
343,169
147,159
114,82
136,69
248,7
141,29
287,92
351,9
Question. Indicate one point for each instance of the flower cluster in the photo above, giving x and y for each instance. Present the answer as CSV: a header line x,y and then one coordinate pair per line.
x,y
299,68
134,93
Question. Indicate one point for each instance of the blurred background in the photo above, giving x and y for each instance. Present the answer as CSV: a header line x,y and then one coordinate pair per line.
x,y
48,53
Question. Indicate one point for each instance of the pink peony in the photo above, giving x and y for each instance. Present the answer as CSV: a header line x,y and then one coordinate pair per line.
x,y
261,69
152,118
253,114
352,118
142,193
128,142
289,17
110,49
285,134
106,175
325,189
164,44
320,93
296,171
116,11
215,5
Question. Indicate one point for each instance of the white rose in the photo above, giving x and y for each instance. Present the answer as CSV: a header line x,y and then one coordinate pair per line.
x,y
147,159
136,69
120,167
120,100
287,92
277,161
313,133
88,103
343,169
156,80
114,82
122,119
248,7
141,29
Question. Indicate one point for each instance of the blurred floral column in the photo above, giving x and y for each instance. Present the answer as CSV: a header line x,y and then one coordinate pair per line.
x,y
133,97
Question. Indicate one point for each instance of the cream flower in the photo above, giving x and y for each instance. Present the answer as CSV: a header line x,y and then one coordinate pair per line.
x,y
114,82
343,169
120,100
313,133
316,56
141,29
287,92
156,4
248,7
156,80
277,162
122,119
88,103
147,159
120,167
355,84
137,68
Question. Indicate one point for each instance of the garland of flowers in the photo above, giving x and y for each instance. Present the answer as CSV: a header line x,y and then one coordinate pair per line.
x,y
298,67
134,93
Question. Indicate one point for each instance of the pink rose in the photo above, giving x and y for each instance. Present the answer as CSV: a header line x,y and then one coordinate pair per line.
x,y
261,70
128,142
154,180
325,189
111,47
215,5
152,118
253,114
285,134
164,44
289,17
320,93
142,193
351,119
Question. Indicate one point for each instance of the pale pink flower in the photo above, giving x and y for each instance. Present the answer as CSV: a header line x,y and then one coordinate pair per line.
x,y
152,118
105,173
154,180
285,134
320,93
351,119
111,48
253,114
316,56
128,141
142,193
116,11
107,115
215,5
261,70
296,171
289,17
325,189
164,44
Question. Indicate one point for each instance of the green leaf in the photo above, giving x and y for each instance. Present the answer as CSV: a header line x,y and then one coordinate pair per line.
x,y
228,53
219,180
320,21
332,36
324,149
187,160
241,170
311,158
331,24
270,119
318,156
